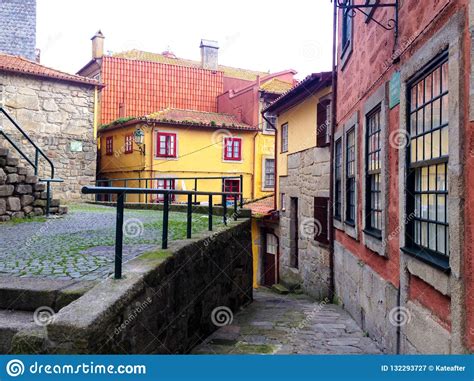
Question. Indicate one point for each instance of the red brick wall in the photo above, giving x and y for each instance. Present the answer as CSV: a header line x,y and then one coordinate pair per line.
x,y
369,66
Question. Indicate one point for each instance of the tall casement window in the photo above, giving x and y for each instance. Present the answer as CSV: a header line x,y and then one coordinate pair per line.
x,y
233,149
284,137
373,222
427,183
338,180
350,177
346,26
269,173
323,125
128,143
165,144
109,145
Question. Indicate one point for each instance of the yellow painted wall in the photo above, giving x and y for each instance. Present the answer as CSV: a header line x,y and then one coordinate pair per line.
x,y
302,120
264,148
199,153
256,238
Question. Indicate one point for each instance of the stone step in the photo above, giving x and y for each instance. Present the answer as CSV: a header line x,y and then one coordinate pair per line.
x,y
11,322
28,294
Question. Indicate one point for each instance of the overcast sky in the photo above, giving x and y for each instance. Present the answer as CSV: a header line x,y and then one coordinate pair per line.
x,y
253,34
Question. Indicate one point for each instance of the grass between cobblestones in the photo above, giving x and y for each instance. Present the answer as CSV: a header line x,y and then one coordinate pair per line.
x,y
80,245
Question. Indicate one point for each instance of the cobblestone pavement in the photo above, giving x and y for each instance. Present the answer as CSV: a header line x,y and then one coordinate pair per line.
x,y
80,245
286,324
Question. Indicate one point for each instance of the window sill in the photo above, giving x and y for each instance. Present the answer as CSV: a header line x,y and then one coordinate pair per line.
x,y
350,223
431,259
373,233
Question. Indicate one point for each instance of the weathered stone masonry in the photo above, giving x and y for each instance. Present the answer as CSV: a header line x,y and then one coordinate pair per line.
x,y
308,177
161,306
58,116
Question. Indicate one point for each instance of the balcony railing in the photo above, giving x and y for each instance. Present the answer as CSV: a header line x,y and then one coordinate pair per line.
x,y
121,193
148,182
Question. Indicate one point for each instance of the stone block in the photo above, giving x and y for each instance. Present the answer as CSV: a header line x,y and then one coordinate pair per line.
x,y
3,162
13,161
12,178
31,179
3,176
22,171
27,209
38,211
6,190
18,215
40,187
5,218
4,152
40,203
24,189
13,204
11,169
3,206
27,200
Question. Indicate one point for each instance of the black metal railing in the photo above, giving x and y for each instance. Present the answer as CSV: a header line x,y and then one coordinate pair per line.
x,y
121,192
125,182
35,162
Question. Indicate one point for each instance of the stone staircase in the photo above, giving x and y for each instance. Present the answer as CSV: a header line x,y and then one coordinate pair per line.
x,y
23,300
21,192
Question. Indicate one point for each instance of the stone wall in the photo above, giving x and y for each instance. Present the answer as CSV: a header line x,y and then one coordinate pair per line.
x,y
20,192
18,31
370,299
166,303
308,177
58,116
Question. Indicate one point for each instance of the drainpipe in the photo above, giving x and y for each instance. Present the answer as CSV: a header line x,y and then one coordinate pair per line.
x,y
275,154
331,160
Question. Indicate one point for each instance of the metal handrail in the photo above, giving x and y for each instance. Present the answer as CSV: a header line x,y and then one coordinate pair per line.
x,y
38,151
126,181
120,192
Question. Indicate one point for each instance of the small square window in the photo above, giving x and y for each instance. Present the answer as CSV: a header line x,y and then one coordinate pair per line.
x,y
129,144
165,144
233,149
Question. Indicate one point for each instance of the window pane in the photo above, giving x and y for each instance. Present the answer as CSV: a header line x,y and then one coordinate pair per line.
x,y
428,117
424,206
413,98
435,142
441,178
432,236
445,110
432,178
445,75
424,179
436,82
419,122
444,141
441,216
436,113
428,81
432,207
427,146
441,239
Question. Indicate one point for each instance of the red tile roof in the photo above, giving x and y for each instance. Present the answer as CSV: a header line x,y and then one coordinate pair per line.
x,y
198,118
261,207
142,87
189,118
303,89
20,65
171,59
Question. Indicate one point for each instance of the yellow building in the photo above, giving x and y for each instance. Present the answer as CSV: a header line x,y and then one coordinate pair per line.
x,y
299,211
179,146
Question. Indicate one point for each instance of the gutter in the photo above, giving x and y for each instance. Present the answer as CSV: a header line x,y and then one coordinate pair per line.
x,y
275,153
331,155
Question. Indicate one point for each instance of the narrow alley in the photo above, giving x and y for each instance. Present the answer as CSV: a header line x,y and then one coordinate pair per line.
x,y
287,324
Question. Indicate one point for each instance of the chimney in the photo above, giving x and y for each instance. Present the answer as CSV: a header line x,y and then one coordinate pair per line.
x,y
209,54
97,45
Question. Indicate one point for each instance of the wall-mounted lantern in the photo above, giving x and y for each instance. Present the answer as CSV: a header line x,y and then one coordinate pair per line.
x,y
139,138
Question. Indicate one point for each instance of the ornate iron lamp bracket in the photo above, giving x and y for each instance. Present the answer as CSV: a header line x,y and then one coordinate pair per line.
x,y
367,9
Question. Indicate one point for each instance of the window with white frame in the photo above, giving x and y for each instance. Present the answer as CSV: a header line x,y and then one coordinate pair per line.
x,y
269,173
284,137
272,244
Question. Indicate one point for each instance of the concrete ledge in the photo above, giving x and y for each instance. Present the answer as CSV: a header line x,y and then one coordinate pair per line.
x,y
163,304
27,294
